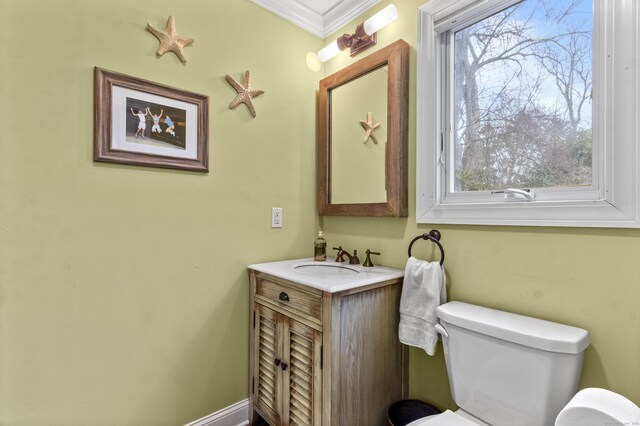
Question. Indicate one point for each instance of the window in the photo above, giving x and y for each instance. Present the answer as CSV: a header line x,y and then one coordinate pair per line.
x,y
521,98
538,96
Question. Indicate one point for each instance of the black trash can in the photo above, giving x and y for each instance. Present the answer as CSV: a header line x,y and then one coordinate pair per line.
x,y
403,412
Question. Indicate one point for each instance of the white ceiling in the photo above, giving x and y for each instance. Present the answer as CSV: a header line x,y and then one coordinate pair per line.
x,y
320,17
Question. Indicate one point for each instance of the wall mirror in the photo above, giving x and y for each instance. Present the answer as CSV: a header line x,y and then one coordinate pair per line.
x,y
362,136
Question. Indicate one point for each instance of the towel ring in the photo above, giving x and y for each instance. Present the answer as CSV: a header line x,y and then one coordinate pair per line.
x,y
433,235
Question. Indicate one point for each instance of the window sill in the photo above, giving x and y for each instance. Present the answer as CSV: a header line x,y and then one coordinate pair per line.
x,y
598,214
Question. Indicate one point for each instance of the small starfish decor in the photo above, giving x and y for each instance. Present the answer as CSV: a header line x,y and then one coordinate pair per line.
x,y
245,92
369,127
170,40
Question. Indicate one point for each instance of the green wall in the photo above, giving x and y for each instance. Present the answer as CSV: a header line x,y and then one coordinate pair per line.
x,y
585,277
123,290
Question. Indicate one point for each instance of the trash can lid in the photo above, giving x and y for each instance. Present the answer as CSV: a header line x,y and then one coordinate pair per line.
x,y
401,413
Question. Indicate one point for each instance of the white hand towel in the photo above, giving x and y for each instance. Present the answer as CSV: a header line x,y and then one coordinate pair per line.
x,y
424,289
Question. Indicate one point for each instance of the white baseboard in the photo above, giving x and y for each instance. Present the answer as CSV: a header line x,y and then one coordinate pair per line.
x,y
234,415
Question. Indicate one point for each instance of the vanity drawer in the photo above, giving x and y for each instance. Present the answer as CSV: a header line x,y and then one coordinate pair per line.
x,y
290,297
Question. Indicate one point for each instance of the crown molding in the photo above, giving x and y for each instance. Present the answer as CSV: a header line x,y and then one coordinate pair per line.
x,y
345,12
321,25
295,12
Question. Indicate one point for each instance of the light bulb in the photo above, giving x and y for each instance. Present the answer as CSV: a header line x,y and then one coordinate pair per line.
x,y
329,51
380,19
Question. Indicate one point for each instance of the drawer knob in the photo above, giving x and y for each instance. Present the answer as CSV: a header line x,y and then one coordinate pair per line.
x,y
284,366
277,361
284,297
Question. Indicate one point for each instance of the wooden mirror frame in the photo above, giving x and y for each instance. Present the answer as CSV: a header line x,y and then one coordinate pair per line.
x,y
396,57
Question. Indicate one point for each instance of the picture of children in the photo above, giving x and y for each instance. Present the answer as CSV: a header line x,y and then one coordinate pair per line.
x,y
142,125
156,121
170,126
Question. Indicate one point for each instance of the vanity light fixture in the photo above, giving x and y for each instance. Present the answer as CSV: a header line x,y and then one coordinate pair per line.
x,y
364,37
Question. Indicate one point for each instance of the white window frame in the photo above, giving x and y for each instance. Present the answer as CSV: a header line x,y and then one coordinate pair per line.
x,y
616,71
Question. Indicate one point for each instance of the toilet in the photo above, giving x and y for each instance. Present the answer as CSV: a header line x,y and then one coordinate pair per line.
x,y
511,370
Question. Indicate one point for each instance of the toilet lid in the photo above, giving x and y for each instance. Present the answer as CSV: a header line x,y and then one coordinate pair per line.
x,y
448,418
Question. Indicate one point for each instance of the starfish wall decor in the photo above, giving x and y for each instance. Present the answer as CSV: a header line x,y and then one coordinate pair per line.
x,y
369,127
245,92
170,40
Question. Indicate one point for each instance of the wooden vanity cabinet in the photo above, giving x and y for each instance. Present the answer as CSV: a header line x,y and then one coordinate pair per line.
x,y
320,358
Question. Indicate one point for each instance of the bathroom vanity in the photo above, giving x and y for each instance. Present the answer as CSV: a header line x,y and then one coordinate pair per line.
x,y
324,346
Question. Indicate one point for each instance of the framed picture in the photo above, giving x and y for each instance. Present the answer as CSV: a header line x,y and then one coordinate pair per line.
x,y
147,124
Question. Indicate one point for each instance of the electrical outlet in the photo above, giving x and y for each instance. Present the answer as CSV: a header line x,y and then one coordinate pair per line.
x,y
276,217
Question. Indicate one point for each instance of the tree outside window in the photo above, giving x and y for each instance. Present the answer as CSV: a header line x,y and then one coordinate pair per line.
x,y
522,84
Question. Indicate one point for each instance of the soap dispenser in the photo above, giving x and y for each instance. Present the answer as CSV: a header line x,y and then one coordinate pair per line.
x,y
320,248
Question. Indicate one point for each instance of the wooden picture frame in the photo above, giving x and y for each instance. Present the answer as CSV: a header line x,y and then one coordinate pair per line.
x,y
142,123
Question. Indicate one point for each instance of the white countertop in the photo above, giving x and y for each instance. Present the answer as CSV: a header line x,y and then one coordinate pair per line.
x,y
354,275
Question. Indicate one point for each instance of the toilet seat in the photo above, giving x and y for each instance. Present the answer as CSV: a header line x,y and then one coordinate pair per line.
x,y
448,418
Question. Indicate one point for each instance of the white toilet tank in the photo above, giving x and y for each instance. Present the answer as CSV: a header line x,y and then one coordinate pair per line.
x,y
508,369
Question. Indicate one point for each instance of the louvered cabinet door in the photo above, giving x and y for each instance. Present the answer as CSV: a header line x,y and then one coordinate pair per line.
x,y
267,386
302,381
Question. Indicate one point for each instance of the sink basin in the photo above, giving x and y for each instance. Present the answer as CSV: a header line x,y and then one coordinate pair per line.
x,y
326,270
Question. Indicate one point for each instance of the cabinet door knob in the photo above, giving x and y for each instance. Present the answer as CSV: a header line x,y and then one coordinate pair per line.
x,y
284,366
277,361
284,297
